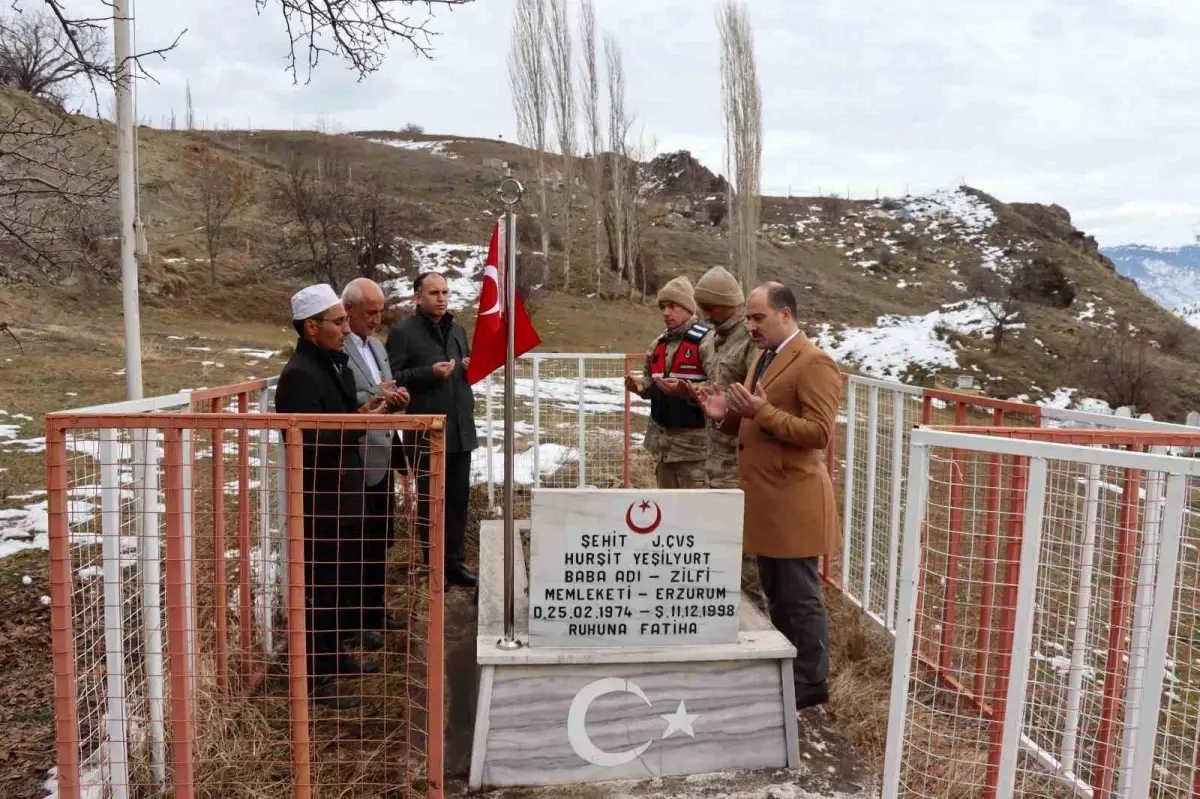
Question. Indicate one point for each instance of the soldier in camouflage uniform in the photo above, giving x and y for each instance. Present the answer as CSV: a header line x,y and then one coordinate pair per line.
x,y
677,433
729,351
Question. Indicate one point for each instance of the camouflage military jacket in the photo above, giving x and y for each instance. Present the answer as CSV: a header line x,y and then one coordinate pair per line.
x,y
677,445
730,350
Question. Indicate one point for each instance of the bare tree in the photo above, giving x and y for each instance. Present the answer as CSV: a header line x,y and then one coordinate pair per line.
x,y
1001,300
1120,366
530,83
55,188
189,112
224,188
334,229
37,57
356,31
742,104
562,89
618,144
591,105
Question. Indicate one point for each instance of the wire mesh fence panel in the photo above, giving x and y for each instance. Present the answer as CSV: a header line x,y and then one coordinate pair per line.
x,y
575,425
1041,604
248,604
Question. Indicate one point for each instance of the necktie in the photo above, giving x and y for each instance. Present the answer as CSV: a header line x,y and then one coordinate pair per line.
x,y
763,363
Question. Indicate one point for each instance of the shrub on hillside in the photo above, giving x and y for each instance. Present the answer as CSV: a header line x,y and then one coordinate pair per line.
x,y
1121,366
1042,281
833,207
716,210
412,129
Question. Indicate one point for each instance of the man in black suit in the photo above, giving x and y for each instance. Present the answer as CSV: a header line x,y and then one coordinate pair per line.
x,y
317,379
429,355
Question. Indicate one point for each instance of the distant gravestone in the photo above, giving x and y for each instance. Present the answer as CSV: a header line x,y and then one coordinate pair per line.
x,y
1193,419
634,568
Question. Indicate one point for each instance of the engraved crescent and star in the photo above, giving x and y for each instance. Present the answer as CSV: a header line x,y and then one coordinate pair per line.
x,y
643,506
680,721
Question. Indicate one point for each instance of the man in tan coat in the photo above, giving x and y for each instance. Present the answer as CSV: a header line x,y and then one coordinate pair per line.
x,y
677,434
784,415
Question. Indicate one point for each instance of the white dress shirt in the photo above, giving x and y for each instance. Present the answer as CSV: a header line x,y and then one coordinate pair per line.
x,y
368,357
787,341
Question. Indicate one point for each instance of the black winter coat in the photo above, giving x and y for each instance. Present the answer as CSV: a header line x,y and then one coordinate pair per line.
x,y
414,345
333,467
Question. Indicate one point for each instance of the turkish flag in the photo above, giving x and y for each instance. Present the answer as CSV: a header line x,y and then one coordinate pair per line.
x,y
488,346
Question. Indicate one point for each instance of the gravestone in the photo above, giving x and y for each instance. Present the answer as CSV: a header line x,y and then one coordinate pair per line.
x,y
648,572
638,657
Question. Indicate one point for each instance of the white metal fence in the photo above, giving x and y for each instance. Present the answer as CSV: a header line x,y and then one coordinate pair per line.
x,y
576,425
871,456
1073,667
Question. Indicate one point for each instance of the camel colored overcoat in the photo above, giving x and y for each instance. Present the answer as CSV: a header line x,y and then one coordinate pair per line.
x,y
789,504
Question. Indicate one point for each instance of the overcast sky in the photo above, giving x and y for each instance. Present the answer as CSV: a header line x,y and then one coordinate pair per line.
x,y
1092,104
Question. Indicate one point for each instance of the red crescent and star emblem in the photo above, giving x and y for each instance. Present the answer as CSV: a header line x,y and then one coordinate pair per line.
x,y
644,505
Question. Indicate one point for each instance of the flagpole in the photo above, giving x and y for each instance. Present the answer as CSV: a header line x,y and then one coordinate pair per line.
x,y
510,194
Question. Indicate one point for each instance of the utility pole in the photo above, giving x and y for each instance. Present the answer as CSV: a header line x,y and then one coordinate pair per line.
x,y
126,190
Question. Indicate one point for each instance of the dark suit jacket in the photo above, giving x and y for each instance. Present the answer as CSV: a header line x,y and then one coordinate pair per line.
x,y
333,467
414,345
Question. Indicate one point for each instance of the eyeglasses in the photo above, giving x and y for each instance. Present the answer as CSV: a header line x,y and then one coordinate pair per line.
x,y
339,321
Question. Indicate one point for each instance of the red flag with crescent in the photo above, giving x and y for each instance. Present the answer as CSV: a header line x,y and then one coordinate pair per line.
x,y
489,343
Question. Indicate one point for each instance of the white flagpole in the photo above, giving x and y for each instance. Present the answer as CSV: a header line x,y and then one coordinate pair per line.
x,y
127,193
510,194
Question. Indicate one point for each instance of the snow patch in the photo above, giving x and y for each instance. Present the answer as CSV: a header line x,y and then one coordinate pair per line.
x,y
465,260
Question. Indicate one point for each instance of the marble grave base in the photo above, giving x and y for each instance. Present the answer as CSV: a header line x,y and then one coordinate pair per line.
x,y
559,715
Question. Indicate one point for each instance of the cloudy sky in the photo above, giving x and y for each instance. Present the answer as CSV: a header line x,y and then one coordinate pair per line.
x,y
1092,104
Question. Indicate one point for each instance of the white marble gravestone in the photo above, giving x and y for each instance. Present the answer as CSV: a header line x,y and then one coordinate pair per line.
x,y
634,568
627,705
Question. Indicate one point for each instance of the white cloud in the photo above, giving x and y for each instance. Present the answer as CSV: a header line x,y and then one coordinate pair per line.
x,y
1086,103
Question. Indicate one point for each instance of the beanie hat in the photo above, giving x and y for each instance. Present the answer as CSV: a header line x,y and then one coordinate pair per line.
x,y
718,287
679,291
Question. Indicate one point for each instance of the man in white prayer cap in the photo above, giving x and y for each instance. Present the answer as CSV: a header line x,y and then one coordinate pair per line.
x,y
318,379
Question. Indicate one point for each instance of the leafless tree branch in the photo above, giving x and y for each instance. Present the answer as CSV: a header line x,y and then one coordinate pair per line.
x,y
530,84
742,104
356,31
563,92
590,79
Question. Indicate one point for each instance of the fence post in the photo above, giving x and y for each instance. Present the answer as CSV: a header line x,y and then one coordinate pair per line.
x,y
988,587
1142,766
1142,607
954,542
910,567
848,483
627,454
435,762
1083,609
537,427
1104,775
145,445
182,696
581,423
114,614
246,602
62,636
297,623
869,521
220,589
1017,675
189,550
265,605
894,517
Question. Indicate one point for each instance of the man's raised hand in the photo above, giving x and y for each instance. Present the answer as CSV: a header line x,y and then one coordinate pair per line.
x,y
375,405
713,401
443,369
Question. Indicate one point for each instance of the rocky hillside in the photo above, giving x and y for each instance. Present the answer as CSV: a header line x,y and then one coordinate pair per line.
x,y
907,288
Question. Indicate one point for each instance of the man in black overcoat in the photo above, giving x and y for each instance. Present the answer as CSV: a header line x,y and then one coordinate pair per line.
x,y
429,355
317,379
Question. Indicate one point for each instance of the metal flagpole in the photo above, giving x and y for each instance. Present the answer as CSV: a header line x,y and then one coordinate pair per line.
x,y
510,194
126,191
